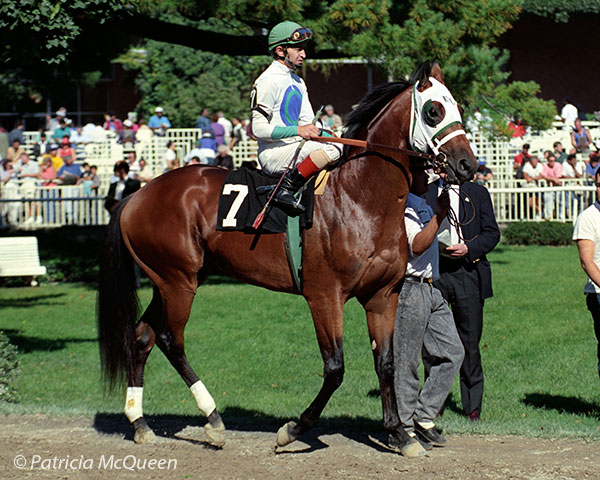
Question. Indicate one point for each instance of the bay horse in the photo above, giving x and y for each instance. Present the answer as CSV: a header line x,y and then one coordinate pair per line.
x,y
356,247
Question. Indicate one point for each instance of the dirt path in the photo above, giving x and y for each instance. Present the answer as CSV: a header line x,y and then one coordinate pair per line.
x,y
74,447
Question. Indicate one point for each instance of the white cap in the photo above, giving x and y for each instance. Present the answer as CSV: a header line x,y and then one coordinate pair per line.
x,y
60,113
127,123
158,109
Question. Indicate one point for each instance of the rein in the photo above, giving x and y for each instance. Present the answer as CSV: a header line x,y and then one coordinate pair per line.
x,y
364,144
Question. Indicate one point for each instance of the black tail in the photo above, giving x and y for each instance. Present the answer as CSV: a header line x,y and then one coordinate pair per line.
x,y
117,306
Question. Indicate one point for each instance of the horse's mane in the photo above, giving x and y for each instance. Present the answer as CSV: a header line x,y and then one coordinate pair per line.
x,y
374,101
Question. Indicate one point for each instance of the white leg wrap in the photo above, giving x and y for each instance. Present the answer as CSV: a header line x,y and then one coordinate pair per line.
x,y
133,403
204,400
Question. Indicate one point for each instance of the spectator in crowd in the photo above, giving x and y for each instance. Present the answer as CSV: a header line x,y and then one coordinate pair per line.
x,y
123,187
465,278
194,152
203,121
126,134
3,143
208,149
48,173
520,159
28,172
78,137
559,152
52,123
134,166
194,161
227,125
592,166
330,119
57,161
70,172
552,173
41,146
66,149
587,235
424,324
532,171
569,112
239,132
217,129
223,159
573,168
483,174
171,160
10,190
108,123
15,150
17,133
116,122
517,127
62,131
89,180
144,174
144,132
580,138
159,123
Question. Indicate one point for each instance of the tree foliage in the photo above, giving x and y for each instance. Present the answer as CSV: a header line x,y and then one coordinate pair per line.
x,y
184,81
393,35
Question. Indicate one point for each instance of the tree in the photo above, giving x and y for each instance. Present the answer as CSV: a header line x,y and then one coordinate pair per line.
x,y
393,35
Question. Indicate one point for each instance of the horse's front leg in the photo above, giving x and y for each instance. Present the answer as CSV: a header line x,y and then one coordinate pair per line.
x,y
381,311
328,320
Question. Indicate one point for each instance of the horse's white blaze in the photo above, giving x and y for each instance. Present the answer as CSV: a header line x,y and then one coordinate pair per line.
x,y
133,403
204,400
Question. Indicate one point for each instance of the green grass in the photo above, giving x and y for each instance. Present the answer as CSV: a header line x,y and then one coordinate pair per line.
x,y
257,353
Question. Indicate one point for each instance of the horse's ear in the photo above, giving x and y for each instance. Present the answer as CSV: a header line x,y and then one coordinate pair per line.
x,y
436,72
424,76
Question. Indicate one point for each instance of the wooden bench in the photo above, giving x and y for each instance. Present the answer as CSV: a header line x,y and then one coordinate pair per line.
x,y
19,256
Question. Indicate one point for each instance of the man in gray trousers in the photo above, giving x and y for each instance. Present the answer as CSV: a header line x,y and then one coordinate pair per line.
x,y
424,323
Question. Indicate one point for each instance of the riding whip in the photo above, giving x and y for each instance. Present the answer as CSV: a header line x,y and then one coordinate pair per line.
x,y
261,216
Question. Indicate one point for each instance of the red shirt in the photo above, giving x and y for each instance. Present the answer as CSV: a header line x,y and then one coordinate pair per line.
x,y
520,157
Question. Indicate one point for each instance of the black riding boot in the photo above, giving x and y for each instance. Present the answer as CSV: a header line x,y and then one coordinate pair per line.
x,y
284,197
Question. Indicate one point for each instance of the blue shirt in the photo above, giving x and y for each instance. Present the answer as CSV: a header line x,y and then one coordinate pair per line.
x,y
72,169
156,122
591,170
416,216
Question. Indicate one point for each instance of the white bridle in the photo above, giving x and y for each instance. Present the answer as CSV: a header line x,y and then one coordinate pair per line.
x,y
421,134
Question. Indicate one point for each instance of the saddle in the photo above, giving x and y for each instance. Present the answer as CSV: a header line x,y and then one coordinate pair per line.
x,y
245,193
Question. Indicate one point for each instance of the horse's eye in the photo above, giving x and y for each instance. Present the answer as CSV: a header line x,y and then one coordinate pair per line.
x,y
433,113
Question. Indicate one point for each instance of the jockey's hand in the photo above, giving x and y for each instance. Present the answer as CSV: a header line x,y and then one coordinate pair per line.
x,y
307,131
443,205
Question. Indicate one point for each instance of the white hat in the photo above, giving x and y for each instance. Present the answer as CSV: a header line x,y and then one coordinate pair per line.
x,y
127,123
60,113
158,109
68,121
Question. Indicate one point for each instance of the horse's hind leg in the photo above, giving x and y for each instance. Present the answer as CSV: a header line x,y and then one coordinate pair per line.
x,y
144,342
169,338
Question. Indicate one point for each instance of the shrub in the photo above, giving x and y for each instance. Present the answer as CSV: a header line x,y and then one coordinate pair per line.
x,y
538,233
9,368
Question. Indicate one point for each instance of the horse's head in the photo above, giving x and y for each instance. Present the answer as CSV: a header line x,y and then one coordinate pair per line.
x,y
436,125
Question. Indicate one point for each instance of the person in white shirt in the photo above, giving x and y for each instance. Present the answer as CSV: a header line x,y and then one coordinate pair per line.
x,y
424,324
569,112
587,235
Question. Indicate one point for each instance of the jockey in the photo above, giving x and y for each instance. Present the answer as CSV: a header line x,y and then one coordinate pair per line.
x,y
282,116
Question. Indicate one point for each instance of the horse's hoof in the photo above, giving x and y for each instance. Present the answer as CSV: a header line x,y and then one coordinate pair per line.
x,y
144,435
284,434
215,434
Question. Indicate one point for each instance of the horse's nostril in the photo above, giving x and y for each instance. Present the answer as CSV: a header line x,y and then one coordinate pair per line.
x,y
464,165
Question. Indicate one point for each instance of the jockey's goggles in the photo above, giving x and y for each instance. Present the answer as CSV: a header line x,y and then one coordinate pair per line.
x,y
300,35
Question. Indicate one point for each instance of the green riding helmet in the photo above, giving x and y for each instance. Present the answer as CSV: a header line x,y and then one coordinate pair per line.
x,y
288,33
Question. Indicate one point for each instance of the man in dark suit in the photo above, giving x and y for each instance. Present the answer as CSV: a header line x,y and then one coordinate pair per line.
x,y
465,277
122,188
